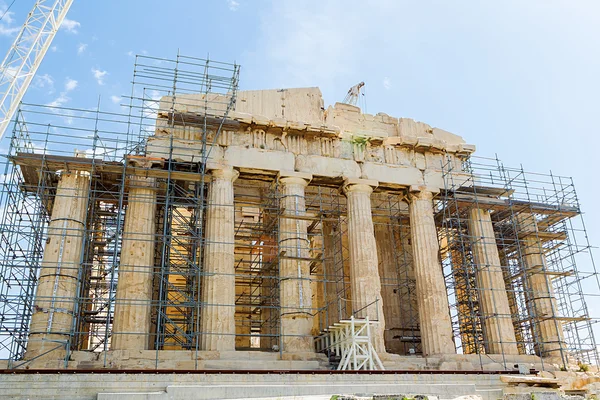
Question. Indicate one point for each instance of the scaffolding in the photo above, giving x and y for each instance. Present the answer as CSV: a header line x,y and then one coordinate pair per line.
x,y
544,255
174,106
177,118
48,140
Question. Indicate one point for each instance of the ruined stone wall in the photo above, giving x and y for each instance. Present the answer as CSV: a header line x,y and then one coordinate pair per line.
x,y
289,130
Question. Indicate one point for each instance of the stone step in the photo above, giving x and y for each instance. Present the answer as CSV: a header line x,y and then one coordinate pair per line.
x,y
231,391
229,386
282,365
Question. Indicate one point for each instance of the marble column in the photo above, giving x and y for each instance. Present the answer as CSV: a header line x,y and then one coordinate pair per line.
x,y
512,301
243,332
52,321
318,285
469,323
387,249
329,259
409,309
432,298
364,269
294,265
333,267
542,305
133,302
269,314
498,330
218,286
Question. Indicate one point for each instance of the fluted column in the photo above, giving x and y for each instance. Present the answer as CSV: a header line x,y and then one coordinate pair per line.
x,y
318,285
53,311
432,298
364,271
498,329
269,314
294,265
409,309
218,285
133,303
539,292
387,247
512,300
469,324
333,251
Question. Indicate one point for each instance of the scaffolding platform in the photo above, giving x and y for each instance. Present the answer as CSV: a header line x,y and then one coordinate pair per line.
x,y
352,342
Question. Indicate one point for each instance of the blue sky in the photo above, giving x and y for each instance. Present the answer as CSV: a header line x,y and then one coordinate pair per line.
x,y
520,79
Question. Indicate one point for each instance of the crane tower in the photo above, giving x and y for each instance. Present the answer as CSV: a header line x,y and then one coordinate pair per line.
x,y
26,54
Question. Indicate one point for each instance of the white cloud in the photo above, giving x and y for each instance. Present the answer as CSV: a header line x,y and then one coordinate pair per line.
x,y
153,94
62,100
387,83
44,81
70,25
6,26
115,99
65,114
99,75
81,47
70,84
8,31
10,72
59,101
233,5
7,14
151,103
130,53
53,49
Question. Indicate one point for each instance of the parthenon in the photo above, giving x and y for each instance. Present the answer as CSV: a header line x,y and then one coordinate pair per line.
x,y
262,230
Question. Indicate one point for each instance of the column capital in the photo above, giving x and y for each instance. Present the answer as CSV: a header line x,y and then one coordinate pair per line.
x,y
479,208
477,213
144,162
293,177
225,173
526,223
416,189
139,179
359,185
420,195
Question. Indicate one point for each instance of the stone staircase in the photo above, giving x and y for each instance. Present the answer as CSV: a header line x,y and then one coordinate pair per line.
x,y
206,385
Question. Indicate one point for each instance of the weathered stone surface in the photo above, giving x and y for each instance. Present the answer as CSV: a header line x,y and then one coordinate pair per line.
x,y
548,331
293,121
294,266
392,175
250,159
232,386
183,150
364,273
131,328
218,294
327,166
434,315
52,320
350,120
288,134
497,319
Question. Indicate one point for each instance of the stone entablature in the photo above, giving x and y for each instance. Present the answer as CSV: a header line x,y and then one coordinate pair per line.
x,y
289,130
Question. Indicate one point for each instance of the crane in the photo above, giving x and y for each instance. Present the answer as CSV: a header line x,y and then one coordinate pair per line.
x,y
26,54
353,94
